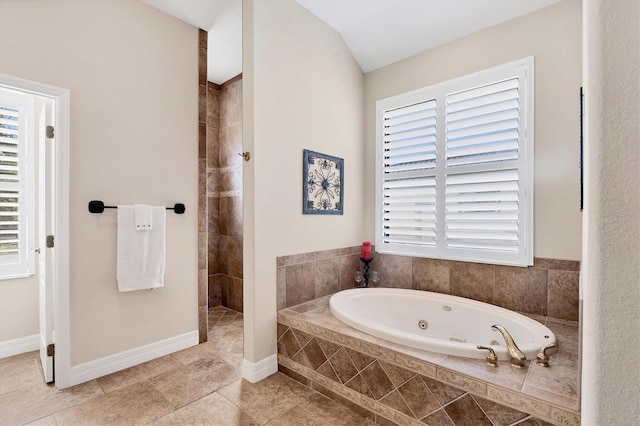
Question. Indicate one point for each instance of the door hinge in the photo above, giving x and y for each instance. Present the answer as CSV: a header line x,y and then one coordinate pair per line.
x,y
51,350
50,132
49,241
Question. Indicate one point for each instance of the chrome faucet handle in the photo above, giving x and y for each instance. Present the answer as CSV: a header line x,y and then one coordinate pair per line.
x,y
543,357
492,358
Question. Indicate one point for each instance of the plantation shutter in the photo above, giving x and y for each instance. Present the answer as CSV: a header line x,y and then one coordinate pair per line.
x,y
10,122
455,169
17,198
409,182
482,148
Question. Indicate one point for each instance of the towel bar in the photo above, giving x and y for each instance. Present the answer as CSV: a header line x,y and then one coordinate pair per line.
x,y
97,206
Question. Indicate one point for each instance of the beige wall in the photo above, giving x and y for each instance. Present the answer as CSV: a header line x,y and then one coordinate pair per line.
x,y
133,76
611,267
303,89
553,36
18,308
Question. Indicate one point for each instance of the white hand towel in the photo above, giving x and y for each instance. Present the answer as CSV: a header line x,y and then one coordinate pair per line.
x,y
144,219
141,255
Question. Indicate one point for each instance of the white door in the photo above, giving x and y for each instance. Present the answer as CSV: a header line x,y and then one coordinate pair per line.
x,y
45,228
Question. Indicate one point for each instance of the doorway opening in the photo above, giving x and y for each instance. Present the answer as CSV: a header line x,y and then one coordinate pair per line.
x,y
34,224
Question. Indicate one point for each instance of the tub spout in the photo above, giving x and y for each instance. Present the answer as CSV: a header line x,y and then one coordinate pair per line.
x,y
517,357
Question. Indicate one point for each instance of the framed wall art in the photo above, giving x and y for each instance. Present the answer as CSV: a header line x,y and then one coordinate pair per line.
x,y
323,184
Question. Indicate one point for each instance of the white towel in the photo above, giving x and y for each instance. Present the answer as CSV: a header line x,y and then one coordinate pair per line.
x,y
141,255
144,219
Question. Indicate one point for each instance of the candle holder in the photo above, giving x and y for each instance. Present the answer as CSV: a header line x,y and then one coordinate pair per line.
x,y
366,270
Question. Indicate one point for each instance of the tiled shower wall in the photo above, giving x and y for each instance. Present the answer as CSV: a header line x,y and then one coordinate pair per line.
x,y
202,186
224,193
549,287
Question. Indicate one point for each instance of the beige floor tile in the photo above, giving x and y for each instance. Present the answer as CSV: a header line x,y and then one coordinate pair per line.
x,y
213,410
139,373
45,421
332,412
37,401
298,416
193,381
194,353
18,372
267,399
137,404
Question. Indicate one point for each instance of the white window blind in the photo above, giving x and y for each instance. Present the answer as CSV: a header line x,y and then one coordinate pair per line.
x,y
454,169
16,187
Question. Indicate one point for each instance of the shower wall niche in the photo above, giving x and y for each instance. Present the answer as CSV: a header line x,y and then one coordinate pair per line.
x,y
224,193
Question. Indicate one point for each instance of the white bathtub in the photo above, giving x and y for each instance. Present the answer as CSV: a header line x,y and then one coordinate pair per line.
x,y
455,325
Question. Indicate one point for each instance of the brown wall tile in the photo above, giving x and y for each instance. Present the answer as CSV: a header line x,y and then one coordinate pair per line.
x,y
213,256
202,39
418,397
202,287
438,418
521,289
559,264
225,285
327,276
236,295
203,221
563,294
213,207
301,283
202,323
202,107
395,401
231,256
465,411
348,267
472,280
231,216
431,275
230,145
231,104
395,271
231,179
377,379
281,276
213,105
202,141
214,290
213,147
499,414
343,366
202,65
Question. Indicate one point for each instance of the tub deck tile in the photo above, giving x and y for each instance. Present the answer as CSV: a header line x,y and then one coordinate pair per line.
x,y
547,393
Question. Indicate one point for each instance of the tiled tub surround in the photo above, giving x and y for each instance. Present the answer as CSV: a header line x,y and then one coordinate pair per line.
x,y
549,287
224,193
412,387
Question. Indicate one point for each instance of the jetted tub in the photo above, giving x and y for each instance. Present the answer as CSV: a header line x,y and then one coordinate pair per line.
x,y
438,322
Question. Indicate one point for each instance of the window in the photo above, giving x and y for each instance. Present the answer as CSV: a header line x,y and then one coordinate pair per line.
x,y
454,169
17,186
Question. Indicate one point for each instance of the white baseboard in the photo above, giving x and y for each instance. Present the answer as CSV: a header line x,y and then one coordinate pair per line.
x,y
254,372
19,346
110,364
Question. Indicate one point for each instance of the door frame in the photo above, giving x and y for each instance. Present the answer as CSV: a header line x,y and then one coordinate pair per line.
x,y
61,316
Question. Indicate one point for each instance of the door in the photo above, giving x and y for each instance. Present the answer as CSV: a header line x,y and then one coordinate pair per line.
x,y
45,228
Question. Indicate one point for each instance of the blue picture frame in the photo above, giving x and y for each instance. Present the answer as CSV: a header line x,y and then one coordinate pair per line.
x,y
322,183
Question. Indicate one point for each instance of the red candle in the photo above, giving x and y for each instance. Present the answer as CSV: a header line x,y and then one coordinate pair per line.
x,y
366,250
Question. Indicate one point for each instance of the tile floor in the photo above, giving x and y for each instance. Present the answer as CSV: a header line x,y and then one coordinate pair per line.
x,y
199,385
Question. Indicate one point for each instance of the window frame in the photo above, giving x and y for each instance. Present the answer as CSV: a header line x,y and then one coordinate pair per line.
x,y
523,69
23,264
